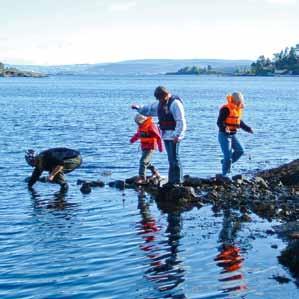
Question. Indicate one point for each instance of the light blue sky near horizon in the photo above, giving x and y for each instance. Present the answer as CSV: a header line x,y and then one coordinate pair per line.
x,y
93,31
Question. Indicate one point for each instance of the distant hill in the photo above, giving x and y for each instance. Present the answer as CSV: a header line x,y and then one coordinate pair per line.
x,y
138,67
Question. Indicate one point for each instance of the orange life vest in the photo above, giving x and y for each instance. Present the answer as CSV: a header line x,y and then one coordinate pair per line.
x,y
145,136
233,120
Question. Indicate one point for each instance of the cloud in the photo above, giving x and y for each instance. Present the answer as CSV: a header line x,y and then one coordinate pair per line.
x,y
122,6
282,2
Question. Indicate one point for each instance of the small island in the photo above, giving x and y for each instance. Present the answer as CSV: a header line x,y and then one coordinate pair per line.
x,y
286,62
14,72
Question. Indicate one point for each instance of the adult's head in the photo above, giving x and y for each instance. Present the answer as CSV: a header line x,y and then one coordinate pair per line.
x,y
162,94
30,157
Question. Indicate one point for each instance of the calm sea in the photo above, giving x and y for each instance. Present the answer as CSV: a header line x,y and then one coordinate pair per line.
x,y
114,244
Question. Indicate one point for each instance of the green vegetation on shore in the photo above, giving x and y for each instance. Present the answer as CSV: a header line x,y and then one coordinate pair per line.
x,y
14,72
286,62
195,70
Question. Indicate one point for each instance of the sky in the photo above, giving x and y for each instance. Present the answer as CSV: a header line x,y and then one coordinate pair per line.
x,y
55,32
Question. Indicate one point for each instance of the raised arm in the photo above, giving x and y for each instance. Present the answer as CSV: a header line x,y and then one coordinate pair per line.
x,y
147,110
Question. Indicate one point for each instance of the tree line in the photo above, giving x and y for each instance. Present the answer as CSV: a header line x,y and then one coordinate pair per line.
x,y
284,62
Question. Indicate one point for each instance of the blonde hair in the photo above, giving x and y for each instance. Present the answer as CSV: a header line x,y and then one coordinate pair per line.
x,y
238,97
140,119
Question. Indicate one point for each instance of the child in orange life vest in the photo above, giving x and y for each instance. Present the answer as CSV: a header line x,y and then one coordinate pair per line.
x,y
150,139
229,121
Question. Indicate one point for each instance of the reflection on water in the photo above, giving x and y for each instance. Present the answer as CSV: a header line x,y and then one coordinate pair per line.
x,y
230,258
57,203
166,269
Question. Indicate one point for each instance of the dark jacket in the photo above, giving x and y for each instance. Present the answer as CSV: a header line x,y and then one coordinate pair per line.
x,y
223,114
49,159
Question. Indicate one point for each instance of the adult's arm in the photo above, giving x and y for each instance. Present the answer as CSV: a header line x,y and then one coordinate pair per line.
x,y
34,177
149,110
178,112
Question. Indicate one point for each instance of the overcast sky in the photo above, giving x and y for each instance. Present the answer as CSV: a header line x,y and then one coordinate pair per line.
x,y
92,31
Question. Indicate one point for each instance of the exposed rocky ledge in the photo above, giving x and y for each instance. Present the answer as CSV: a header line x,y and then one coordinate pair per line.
x,y
271,194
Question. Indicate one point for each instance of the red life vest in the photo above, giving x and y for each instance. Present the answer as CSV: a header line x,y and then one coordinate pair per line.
x,y
147,139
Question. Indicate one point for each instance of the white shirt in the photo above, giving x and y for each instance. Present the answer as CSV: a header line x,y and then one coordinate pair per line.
x,y
178,112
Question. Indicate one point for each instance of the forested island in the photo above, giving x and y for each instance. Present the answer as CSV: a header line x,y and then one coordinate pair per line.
x,y
14,72
286,62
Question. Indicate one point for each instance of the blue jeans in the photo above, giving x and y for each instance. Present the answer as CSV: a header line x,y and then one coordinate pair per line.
x,y
175,172
232,150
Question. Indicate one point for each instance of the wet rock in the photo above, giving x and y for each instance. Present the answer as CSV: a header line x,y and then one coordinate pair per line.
x,y
85,188
290,258
118,184
97,183
245,218
281,279
261,182
220,179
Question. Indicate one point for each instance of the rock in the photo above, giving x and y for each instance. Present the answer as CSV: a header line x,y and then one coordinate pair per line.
x,y
245,218
97,183
80,182
238,177
281,279
274,246
260,181
294,235
220,179
290,258
118,184
85,188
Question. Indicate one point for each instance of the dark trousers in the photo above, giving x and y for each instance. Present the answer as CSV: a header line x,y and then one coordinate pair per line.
x,y
69,165
175,172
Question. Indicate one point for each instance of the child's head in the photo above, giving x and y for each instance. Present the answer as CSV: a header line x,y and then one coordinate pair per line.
x,y
238,98
140,119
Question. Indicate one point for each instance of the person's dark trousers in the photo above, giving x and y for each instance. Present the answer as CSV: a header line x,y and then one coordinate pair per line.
x,y
69,165
175,172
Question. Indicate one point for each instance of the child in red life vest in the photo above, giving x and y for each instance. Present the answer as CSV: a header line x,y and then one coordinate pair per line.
x,y
150,139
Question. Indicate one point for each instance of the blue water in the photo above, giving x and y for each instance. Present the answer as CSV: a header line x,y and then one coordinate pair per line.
x,y
114,244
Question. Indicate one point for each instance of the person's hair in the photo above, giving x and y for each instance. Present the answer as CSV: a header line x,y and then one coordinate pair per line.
x,y
238,97
140,119
161,92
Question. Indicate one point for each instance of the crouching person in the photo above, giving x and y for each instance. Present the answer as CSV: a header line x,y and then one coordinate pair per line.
x,y
150,139
57,161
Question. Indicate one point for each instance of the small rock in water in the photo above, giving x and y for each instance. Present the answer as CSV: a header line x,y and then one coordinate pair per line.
x,y
80,182
281,279
97,183
85,188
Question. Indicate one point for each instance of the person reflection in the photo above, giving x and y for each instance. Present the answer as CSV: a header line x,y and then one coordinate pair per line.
x,y
56,203
230,258
165,267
